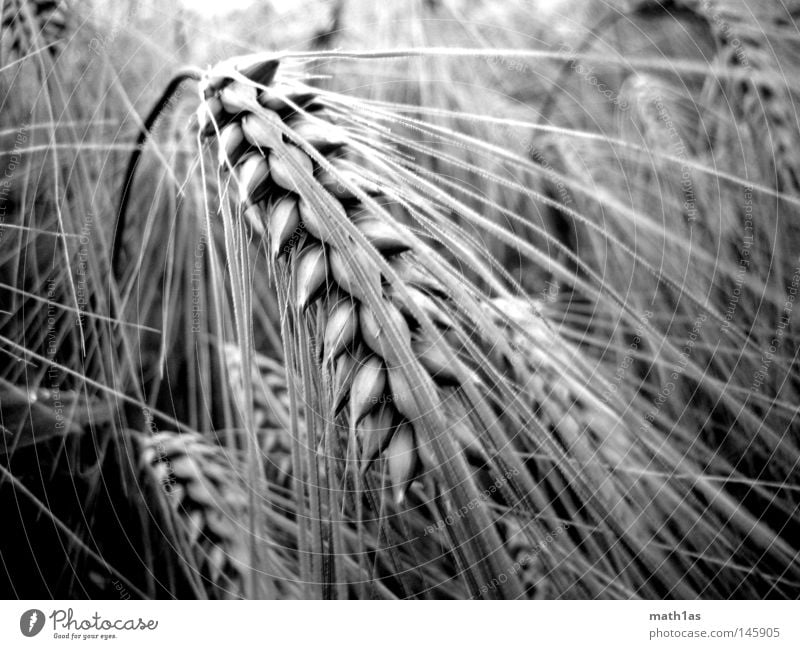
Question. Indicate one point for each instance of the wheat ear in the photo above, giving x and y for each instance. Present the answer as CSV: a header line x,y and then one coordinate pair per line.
x,y
207,500
368,326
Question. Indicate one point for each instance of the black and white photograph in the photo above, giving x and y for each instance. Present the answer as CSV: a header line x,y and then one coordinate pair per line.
x,y
400,300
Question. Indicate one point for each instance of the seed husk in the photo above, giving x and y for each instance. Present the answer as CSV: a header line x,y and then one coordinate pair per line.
x,y
216,562
346,367
238,554
426,455
367,388
199,491
238,98
148,455
261,129
467,437
195,522
211,115
176,492
342,272
403,394
410,273
232,145
378,338
171,445
253,174
375,432
402,458
263,72
254,214
162,473
287,164
220,524
185,468
341,183
423,302
284,223
341,329
386,238
310,274
279,96
316,223
443,367
214,471
213,84
326,138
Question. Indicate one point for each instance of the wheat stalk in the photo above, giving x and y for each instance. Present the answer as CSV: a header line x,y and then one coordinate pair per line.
x,y
363,319
208,500
368,322
204,488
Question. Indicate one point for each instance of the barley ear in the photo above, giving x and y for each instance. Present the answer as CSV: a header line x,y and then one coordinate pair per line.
x,y
381,342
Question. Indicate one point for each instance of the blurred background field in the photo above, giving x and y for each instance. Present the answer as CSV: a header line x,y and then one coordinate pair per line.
x,y
642,157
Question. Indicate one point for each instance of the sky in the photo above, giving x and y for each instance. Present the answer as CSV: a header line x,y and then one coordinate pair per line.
x,y
221,7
